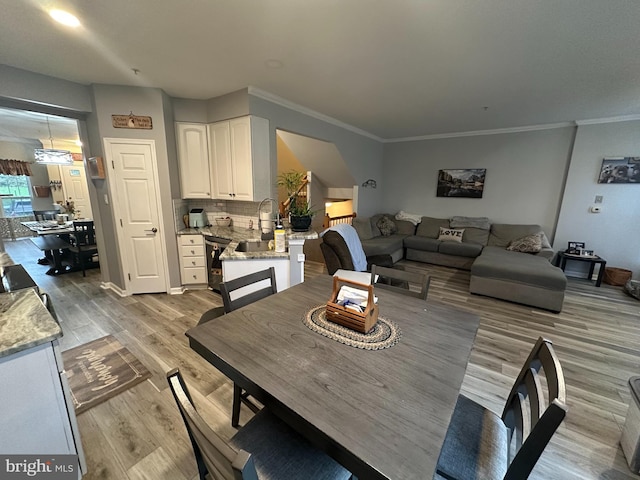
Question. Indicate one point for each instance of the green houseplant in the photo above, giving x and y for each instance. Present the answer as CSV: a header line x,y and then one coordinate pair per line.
x,y
300,211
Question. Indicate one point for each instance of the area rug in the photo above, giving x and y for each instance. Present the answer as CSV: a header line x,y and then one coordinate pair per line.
x,y
99,370
384,333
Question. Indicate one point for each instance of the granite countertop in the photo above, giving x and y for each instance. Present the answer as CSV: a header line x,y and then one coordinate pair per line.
x,y
237,235
24,322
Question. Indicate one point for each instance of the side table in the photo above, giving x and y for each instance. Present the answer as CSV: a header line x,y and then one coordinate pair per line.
x,y
563,257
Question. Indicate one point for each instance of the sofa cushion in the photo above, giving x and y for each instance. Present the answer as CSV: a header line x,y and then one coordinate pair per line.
x,y
451,234
496,262
430,227
502,234
482,223
422,243
405,227
363,227
470,250
386,226
528,244
382,245
475,235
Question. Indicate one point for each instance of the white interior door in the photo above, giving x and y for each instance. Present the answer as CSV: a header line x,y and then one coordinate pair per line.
x,y
134,187
74,182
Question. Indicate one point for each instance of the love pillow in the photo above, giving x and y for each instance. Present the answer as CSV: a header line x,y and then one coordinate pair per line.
x,y
451,234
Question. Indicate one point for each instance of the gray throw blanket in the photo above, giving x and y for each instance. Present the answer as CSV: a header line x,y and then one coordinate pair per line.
x,y
470,222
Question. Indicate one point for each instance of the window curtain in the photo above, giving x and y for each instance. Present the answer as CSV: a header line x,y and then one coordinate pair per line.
x,y
14,167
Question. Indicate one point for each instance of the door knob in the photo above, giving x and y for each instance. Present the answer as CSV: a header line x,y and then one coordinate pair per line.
x,y
153,230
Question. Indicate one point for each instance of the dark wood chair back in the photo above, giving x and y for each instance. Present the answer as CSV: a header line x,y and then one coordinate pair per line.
x,y
232,287
84,233
41,215
83,243
215,458
531,418
399,281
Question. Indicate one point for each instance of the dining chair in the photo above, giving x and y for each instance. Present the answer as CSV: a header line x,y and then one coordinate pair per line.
x,y
234,288
398,281
83,242
41,215
264,448
482,445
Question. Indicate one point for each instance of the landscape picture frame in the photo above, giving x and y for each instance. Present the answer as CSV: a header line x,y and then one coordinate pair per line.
x,y
620,170
461,182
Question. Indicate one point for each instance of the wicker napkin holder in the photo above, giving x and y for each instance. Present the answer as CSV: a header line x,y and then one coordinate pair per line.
x,y
361,322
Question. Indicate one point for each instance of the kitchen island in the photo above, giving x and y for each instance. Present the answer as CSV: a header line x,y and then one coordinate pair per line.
x,y
238,260
35,393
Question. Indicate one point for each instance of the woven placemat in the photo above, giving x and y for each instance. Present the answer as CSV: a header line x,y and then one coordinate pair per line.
x,y
384,333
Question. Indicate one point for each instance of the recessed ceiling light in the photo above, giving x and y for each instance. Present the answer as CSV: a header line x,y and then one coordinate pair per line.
x,y
65,18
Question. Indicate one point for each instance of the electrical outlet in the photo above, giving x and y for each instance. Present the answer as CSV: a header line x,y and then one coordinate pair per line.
x,y
301,257
598,199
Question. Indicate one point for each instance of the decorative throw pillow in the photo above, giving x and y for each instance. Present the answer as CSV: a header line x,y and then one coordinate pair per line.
x,y
451,234
386,226
528,244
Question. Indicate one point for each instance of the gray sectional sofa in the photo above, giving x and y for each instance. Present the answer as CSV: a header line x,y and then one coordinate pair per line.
x,y
527,278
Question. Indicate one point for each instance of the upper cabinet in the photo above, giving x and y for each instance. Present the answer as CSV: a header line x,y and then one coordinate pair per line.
x,y
193,157
240,161
229,160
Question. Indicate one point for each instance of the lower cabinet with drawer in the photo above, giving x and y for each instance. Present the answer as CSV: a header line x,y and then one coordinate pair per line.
x,y
193,264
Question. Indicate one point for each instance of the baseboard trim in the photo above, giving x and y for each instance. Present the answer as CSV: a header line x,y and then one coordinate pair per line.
x,y
113,287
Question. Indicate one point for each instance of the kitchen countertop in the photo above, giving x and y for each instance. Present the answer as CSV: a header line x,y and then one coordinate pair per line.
x,y
24,322
237,235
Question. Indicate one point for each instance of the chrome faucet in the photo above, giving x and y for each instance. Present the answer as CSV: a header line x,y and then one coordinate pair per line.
x,y
269,227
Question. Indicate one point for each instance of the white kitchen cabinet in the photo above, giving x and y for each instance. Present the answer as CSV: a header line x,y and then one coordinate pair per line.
x,y
193,264
240,159
193,159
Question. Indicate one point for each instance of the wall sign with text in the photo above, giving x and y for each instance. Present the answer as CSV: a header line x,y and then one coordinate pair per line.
x,y
131,121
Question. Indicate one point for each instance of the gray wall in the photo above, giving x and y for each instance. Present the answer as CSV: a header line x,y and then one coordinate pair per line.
x,y
109,100
524,180
22,85
613,234
362,155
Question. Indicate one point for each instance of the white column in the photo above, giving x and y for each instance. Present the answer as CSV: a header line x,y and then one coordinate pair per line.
x,y
296,261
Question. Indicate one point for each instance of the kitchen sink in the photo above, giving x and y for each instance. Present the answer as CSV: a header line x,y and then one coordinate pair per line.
x,y
252,247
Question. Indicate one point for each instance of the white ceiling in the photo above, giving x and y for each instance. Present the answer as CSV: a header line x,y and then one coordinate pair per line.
x,y
395,69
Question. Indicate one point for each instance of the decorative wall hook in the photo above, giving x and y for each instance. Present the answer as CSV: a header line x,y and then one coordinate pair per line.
x,y
370,183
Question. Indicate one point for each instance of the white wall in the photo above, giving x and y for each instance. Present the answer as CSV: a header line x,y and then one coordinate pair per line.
x,y
524,179
615,232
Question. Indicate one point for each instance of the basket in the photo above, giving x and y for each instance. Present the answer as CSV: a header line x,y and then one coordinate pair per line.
x,y
361,322
616,276
223,222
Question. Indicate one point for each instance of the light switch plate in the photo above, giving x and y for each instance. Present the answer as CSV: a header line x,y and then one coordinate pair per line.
x,y
598,199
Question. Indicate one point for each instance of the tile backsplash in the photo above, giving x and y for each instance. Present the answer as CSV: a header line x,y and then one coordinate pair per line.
x,y
241,213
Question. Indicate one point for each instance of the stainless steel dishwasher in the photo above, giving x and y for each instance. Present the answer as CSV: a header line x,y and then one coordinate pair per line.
x,y
214,246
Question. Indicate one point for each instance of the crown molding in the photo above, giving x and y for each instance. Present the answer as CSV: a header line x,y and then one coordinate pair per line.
x,y
596,121
283,102
497,131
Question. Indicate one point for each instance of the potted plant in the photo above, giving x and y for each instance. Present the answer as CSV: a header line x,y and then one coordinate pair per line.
x,y
298,208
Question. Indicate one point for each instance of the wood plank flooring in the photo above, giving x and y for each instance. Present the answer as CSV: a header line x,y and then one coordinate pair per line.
x,y
139,433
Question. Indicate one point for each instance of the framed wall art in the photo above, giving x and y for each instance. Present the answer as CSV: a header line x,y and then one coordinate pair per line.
x,y
468,182
620,170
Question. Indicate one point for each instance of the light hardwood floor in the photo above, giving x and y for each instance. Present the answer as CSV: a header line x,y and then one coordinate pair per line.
x,y
139,434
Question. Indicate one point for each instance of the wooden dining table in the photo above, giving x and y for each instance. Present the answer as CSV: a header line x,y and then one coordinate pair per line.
x,y
383,414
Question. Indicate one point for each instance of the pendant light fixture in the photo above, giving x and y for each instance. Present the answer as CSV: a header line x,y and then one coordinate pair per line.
x,y
51,156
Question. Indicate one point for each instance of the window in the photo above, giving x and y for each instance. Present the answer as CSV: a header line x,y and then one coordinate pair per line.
x,y
15,192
